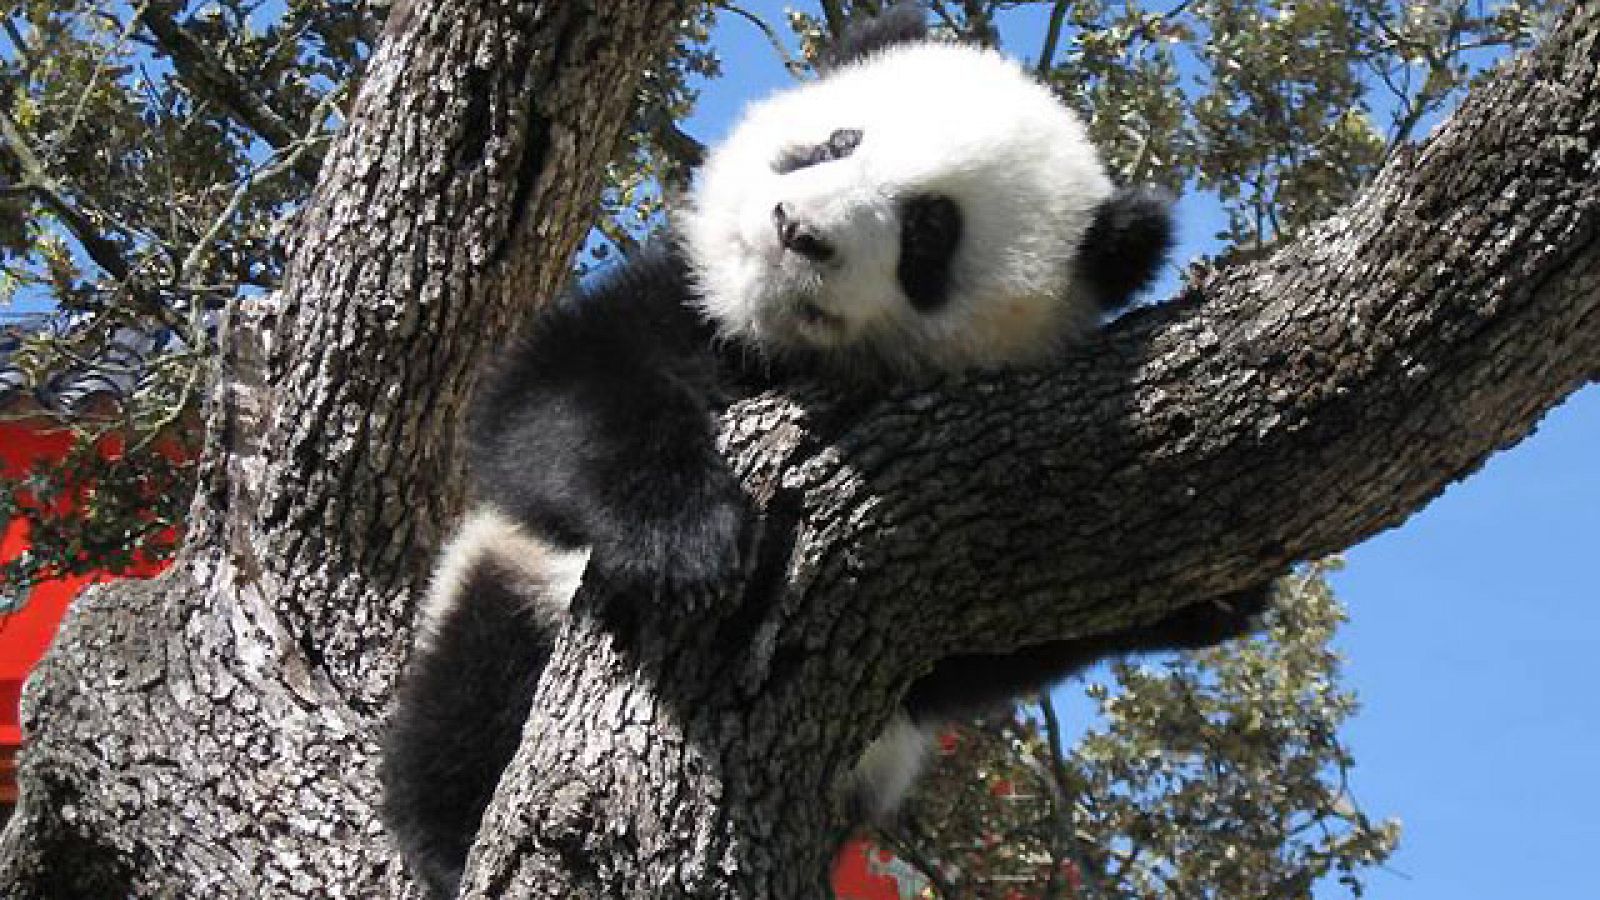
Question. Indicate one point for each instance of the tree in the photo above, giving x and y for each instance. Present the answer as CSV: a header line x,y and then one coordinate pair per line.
x,y
486,166
157,158
236,698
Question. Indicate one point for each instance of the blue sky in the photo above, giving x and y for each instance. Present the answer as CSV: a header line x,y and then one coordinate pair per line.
x,y
1472,640
1473,627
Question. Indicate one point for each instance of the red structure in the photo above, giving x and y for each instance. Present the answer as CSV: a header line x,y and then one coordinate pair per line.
x,y
865,871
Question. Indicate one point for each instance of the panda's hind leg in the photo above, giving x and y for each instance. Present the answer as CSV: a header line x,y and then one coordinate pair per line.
x,y
961,686
463,701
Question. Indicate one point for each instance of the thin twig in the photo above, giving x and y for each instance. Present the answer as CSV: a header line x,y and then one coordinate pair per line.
x,y
34,176
287,158
94,76
1052,36
795,67
911,854
1066,828
24,51
164,103
206,75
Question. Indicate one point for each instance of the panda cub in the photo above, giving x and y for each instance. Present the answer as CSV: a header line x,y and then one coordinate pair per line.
x,y
922,206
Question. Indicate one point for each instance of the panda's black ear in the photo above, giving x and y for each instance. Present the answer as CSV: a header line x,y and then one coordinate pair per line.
x,y
901,23
1126,244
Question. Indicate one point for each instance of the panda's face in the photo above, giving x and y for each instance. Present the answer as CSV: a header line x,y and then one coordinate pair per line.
x,y
921,208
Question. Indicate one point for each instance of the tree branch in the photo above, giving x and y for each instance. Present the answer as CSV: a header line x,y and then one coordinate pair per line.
x,y
911,853
1052,36
833,15
1064,791
104,252
795,67
20,44
211,78
283,160
126,32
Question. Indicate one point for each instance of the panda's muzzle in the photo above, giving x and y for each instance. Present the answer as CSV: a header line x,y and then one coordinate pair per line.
x,y
796,237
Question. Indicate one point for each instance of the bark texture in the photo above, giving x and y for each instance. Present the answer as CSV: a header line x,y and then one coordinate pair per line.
x,y
210,734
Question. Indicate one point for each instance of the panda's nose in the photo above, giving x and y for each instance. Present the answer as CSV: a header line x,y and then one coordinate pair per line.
x,y
796,237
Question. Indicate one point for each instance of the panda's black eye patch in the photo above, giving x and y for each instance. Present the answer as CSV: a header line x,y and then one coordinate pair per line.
x,y
839,145
930,230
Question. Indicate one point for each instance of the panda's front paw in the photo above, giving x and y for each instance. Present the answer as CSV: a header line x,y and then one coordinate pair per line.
x,y
693,553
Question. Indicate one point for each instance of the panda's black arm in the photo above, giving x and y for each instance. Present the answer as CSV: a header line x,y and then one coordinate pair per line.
x,y
597,429
967,685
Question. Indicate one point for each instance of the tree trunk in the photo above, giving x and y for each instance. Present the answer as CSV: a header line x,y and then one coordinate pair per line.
x,y
211,734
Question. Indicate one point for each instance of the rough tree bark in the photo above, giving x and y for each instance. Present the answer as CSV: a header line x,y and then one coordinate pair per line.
x,y
210,735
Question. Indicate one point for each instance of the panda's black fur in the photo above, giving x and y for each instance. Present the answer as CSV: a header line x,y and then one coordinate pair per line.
x,y
592,440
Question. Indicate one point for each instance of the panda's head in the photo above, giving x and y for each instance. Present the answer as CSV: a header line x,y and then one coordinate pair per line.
x,y
923,204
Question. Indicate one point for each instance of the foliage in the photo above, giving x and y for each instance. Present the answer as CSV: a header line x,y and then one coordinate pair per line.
x,y
656,157
1213,774
154,157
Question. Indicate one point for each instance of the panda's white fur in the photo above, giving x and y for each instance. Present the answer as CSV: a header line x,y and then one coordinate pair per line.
x,y
976,128
889,767
545,574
